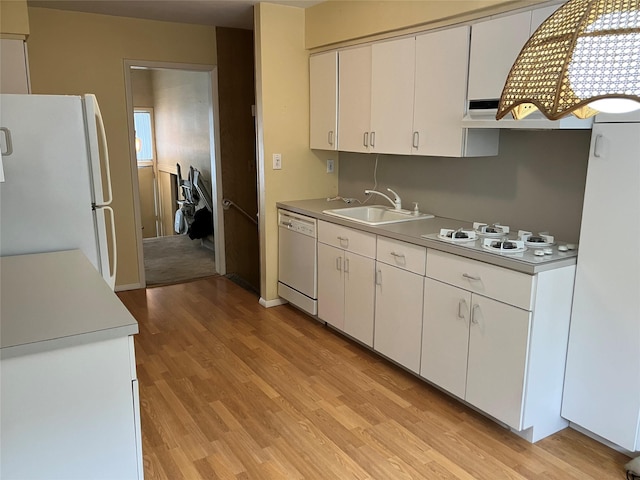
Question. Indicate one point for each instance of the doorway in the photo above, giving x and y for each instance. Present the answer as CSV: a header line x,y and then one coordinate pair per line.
x,y
175,170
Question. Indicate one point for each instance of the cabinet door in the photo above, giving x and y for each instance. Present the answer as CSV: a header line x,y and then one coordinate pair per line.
x,y
495,44
442,59
398,318
445,336
323,102
601,389
331,285
392,85
354,99
498,348
359,283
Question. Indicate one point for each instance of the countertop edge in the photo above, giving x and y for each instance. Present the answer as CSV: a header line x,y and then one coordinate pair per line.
x,y
66,342
314,207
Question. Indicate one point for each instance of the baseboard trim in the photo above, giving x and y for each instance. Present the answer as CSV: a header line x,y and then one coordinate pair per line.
x,y
272,303
131,286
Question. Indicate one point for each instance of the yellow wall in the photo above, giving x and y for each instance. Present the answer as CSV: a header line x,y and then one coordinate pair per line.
x,y
14,17
336,21
75,53
282,79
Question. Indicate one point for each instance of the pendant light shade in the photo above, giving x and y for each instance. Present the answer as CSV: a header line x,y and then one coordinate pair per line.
x,y
583,59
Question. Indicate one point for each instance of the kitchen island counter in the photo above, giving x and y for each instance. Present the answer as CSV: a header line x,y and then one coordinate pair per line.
x,y
54,300
414,230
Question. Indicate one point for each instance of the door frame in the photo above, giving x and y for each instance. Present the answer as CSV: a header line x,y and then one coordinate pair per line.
x,y
216,170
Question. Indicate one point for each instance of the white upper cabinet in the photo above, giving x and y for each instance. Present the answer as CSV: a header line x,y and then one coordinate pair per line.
x,y
495,44
354,105
323,75
392,86
442,60
440,87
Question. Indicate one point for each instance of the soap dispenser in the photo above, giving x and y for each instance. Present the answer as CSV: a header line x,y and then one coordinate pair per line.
x,y
415,208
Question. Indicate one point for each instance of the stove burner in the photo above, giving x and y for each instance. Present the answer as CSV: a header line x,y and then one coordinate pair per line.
x,y
536,239
492,231
506,245
457,234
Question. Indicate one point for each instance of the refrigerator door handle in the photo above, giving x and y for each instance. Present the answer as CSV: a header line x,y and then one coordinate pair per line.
x,y
104,152
113,260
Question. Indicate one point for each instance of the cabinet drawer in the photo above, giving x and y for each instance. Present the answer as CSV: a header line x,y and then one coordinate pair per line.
x,y
362,243
501,284
401,254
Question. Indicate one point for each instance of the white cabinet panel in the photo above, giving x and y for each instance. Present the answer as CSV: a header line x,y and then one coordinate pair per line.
x,y
362,243
401,254
498,348
331,285
323,102
69,413
346,289
398,317
359,274
354,105
602,390
445,336
392,85
442,59
495,44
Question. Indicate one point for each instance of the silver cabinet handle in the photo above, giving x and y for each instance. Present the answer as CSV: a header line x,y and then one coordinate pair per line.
x,y
330,139
394,254
475,307
346,265
462,308
344,240
365,140
597,146
373,139
339,264
471,277
416,139
7,141
288,224
378,277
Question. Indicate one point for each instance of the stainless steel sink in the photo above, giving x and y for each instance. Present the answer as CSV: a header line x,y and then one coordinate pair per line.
x,y
376,214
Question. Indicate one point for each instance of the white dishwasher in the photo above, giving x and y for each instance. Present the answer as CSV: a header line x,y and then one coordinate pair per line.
x,y
298,260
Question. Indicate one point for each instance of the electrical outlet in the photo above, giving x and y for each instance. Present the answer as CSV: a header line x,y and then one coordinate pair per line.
x,y
329,166
277,161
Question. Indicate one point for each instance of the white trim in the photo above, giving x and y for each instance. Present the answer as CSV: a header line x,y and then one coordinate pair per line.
x,y
216,172
130,286
216,177
260,161
272,303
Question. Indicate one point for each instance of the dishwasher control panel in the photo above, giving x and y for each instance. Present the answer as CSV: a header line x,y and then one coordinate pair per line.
x,y
297,223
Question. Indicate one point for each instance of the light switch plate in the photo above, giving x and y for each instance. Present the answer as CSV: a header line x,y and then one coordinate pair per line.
x,y
329,166
277,161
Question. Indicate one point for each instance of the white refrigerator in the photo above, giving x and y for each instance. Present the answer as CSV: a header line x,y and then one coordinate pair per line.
x,y
602,377
55,186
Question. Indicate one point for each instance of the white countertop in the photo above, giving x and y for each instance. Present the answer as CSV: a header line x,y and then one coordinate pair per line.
x,y
413,232
54,300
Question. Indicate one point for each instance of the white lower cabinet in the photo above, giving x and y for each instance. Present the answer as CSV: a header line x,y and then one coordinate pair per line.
x,y
399,290
476,349
503,355
346,280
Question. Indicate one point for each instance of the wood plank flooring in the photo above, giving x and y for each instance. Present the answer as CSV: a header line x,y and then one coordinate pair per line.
x,y
231,390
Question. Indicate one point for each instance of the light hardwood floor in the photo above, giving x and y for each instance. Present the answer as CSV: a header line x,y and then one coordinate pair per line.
x,y
229,389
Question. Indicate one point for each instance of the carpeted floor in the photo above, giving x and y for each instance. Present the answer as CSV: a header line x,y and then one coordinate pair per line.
x,y
175,259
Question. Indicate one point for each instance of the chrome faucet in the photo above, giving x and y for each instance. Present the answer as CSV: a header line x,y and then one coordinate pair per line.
x,y
397,202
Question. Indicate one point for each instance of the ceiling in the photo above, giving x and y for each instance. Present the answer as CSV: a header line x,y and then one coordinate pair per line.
x,y
219,13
